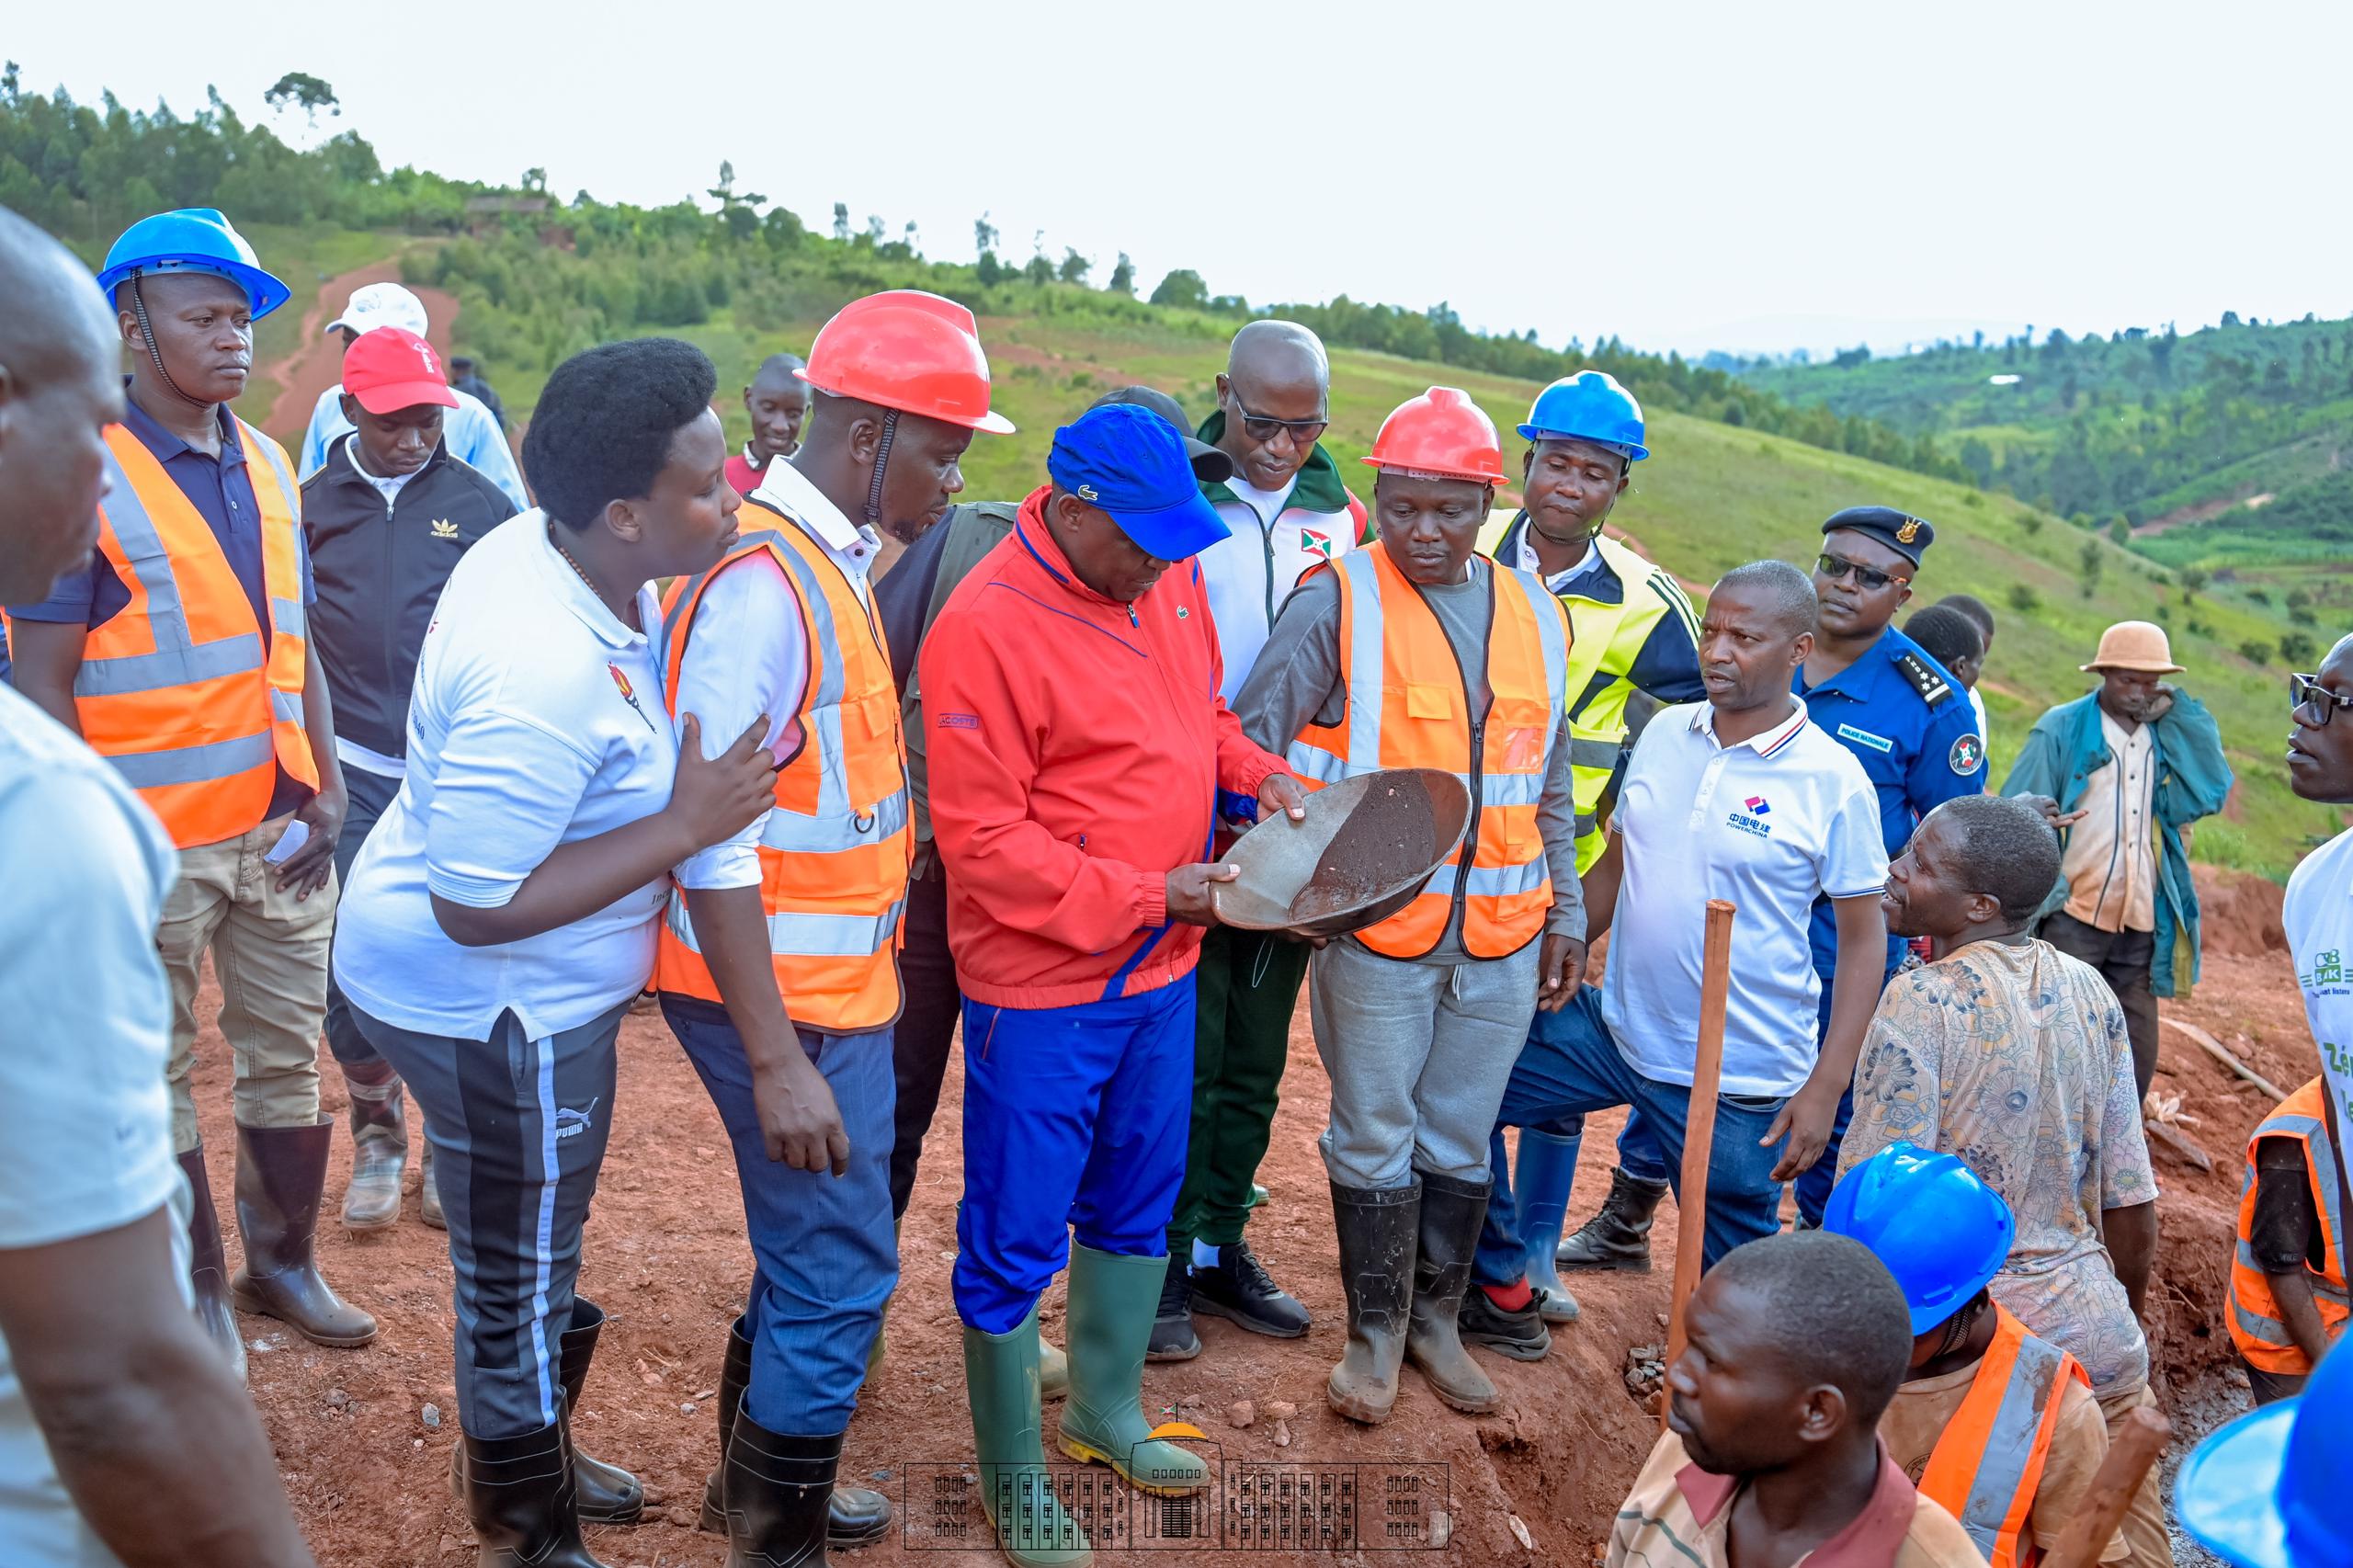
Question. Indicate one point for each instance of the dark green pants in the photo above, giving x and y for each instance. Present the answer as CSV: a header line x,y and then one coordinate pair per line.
x,y
1246,987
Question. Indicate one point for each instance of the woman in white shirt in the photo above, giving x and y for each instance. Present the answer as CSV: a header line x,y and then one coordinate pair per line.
x,y
501,918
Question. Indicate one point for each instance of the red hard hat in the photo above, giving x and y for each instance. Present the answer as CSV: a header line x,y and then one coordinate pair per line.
x,y
1441,432
906,350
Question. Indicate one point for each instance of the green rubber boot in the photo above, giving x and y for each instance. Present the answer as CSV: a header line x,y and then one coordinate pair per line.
x,y
1112,1303
1016,1490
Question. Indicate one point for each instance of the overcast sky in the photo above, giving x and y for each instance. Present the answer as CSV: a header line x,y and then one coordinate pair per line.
x,y
1684,176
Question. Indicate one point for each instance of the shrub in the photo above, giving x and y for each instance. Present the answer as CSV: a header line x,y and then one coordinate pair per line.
x,y
2023,599
2255,652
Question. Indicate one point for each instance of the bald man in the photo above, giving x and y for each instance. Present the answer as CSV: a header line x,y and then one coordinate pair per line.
x,y
123,1435
1287,511
777,402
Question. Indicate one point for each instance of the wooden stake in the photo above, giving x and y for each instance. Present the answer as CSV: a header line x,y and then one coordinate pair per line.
x,y
2138,1442
2222,1053
1699,1129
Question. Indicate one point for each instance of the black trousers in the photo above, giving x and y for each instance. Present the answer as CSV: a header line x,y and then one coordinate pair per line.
x,y
372,796
2123,959
927,1025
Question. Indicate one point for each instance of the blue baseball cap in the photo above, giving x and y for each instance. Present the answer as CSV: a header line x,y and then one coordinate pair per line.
x,y
1132,463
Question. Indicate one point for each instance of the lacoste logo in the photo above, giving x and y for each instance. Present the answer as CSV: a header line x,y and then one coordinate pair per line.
x,y
1087,493
960,722
444,529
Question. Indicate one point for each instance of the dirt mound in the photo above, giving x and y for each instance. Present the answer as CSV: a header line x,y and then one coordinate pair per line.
x,y
2240,913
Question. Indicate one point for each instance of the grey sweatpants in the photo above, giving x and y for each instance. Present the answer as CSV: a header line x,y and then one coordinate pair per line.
x,y
518,1129
1418,1055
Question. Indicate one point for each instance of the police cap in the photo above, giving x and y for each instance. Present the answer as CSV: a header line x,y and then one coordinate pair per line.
x,y
1906,535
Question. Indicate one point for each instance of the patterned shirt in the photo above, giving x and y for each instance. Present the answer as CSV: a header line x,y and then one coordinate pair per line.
x,y
2015,1058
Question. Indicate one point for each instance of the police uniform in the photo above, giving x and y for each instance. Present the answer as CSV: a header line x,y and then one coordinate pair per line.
x,y
1911,726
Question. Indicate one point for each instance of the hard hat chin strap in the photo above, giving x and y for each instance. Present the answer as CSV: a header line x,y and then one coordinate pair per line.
x,y
147,333
881,461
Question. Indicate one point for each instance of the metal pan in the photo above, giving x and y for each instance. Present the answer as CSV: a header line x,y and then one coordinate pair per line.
x,y
1368,845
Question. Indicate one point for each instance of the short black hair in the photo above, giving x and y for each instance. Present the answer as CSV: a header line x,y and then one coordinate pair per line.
x,y
1948,634
1832,1313
1971,606
605,421
2006,849
1788,591
783,364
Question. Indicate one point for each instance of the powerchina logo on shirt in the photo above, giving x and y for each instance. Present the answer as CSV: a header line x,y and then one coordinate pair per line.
x,y
1749,815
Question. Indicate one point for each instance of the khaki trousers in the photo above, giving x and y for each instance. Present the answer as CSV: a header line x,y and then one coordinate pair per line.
x,y
269,950
2144,1529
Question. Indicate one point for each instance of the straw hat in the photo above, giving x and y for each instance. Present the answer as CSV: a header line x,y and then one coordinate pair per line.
x,y
2134,645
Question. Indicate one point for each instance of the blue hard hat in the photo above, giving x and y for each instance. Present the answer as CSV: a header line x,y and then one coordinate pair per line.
x,y
2270,1490
1131,464
194,239
1588,406
1941,1231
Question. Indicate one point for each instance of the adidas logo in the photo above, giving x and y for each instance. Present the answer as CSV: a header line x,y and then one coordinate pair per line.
x,y
444,529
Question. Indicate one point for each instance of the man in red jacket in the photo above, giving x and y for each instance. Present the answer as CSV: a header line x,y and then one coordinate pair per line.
x,y
1077,744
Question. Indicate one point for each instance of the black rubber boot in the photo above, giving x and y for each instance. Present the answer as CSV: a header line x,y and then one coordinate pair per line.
x,y
208,1264
856,1516
1376,1229
1619,1235
1240,1290
519,1495
1522,1335
1173,1338
281,1175
1452,1211
778,1491
607,1493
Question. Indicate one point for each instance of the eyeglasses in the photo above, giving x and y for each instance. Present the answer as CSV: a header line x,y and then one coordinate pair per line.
x,y
1304,432
1870,579
2306,691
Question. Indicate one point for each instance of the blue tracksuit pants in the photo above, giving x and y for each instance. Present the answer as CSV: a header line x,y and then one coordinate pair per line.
x,y
1074,1117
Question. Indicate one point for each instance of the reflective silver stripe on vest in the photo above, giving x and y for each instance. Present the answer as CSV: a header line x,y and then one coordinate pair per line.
x,y
2321,1155
1587,822
1488,882
800,933
1365,642
789,833
194,765
1600,756
286,617
1314,763
177,659
286,707
2009,1447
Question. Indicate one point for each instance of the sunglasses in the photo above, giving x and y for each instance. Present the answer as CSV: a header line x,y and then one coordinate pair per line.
x,y
1870,579
1304,432
2306,691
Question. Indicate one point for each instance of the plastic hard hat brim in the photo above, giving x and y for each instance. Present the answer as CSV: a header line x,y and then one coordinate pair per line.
x,y
1633,449
2227,1494
1498,477
989,424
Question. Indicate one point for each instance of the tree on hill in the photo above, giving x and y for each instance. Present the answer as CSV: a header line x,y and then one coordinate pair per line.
x,y
738,214
299,90
1075,267
1124,275
841,222
1182,288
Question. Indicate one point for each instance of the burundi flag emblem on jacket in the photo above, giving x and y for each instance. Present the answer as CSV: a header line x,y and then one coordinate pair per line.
x,y
1315,544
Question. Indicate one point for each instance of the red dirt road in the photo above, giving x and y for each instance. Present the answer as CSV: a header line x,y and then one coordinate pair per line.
x,y
318,364
666,1258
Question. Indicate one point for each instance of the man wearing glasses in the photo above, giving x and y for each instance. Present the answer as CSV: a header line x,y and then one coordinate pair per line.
x,y
2319,914
2131,766
1904,716
1287,510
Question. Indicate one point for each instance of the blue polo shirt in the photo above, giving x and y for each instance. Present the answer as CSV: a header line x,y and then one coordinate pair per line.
x,y
1910,724
222,493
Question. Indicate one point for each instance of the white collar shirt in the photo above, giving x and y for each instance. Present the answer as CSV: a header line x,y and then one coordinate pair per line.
x,y
1770,823
2111,857
1559,582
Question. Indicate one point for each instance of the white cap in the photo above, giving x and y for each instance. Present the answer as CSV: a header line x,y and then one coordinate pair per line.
x,y
382,305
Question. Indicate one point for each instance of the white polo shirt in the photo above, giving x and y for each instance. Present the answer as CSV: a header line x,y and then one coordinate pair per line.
x,y
537,720
2319,917
1770,823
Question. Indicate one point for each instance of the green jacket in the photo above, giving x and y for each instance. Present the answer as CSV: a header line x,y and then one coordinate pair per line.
x,y
2194,778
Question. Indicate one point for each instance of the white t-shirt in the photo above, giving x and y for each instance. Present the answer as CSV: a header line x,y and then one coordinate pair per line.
x,y
1770,823
1977,701
749,652
2319,917
85,1126
537,720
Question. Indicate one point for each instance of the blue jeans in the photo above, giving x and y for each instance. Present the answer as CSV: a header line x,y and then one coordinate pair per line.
x,y
1814,1185
1570,1066
1073,1118
825,1259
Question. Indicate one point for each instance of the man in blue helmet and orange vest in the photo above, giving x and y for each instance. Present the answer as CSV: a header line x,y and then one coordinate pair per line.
x,y
1417,652
1634,630
1996,1425
180,652
777,963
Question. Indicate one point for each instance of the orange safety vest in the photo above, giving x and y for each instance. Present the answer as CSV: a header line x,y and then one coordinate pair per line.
x,y
836,849
174,689
1988,1465
2256,1325
1409,706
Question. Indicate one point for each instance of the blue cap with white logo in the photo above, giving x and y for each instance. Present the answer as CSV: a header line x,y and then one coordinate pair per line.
x,y
1132,463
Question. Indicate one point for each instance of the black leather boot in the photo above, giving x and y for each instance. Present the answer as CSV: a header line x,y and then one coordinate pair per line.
x,y
1377,1229
1452,1211
281,1172
778,1496
856,1516
208,1264
518,1493
1619,1235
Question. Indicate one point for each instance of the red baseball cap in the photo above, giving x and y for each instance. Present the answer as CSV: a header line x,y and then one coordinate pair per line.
x,y
390,369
